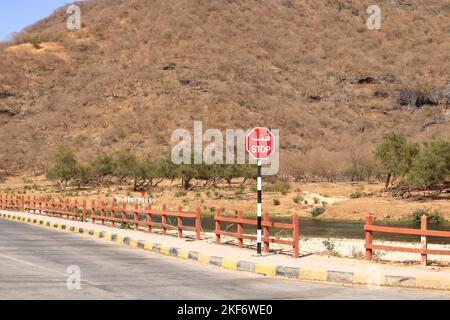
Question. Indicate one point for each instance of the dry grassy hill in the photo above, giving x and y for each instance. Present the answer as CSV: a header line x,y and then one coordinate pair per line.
x,y
138,69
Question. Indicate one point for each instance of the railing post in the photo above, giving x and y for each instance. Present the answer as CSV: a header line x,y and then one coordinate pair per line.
x,y
295,236
124,214
198,223
68,209
423,240
136,217
217,225
76,206
34,204
22,203
149,218
58,207
102,210
180,222
266,233
113,213
84,211
164,219
369,237
240,229
93,212
29,204
46,206
40,205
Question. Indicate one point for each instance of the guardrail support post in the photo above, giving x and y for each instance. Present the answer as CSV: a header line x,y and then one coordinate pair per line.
x,y
76,206
84,211
136,216
93,212
217,225
164,219
113,213
295,236
240,230
369,237
124,214
266,233
180,223
68,209
149,219
198,222
60,206
423,240
102,210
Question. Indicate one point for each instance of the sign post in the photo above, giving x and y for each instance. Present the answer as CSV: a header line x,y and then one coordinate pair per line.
x,y
260,143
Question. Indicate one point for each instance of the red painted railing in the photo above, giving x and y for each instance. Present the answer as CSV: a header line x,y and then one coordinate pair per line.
x,y
99,211
266,225
423,232
108,213
144,218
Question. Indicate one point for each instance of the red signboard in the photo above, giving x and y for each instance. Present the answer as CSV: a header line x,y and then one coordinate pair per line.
x,y
260,143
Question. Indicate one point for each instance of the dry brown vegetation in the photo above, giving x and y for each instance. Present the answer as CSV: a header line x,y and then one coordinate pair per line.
x,y
297,198
139,69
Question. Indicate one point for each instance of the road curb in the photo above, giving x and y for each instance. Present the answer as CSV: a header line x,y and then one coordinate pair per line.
x,y
303,273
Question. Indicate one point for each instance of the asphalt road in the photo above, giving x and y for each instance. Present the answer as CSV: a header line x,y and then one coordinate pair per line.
x,y
34,261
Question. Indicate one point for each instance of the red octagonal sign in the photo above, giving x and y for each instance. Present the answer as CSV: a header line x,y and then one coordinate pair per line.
x,y
260,143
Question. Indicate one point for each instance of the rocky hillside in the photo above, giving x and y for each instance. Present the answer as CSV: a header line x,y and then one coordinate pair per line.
x,y
138,69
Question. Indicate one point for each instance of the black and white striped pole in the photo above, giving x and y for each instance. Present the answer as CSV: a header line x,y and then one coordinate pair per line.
x,y
260,144
259,208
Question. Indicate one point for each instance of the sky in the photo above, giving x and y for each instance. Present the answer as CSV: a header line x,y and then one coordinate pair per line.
x,y
18,14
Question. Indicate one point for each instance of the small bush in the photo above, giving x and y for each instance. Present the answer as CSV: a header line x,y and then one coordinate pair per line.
x,y
240,190
317,211
357,194
434,216
279,187
298,199
316,200
180,194
35,41
27,180
276,202
167,35
329,245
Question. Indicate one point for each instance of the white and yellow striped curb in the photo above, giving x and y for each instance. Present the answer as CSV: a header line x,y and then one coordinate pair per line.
x,y
302,273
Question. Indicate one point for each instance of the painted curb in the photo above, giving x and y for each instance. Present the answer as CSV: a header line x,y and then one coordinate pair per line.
x,y
311,274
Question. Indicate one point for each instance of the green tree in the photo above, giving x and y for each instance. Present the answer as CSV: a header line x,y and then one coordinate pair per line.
x,y
146,174
396,155
102,168
168,169
248,171
65,168
124,166
431,168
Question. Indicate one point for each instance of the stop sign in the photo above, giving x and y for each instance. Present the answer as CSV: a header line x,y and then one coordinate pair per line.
x,y
260,143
